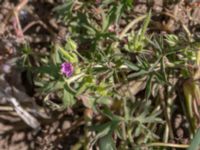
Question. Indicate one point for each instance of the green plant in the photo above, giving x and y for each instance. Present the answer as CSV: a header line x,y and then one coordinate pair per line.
x,y
127,77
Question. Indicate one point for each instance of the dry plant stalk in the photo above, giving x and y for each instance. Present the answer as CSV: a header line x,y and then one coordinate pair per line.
x,y
12,13
26,117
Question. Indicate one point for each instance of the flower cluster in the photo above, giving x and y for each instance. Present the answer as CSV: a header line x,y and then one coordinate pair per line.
x,y
67,69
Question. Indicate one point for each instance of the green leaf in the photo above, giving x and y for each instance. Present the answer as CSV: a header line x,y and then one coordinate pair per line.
x,y
85,84
137,74
127,2
148,87
142,61
65,9
145,25
104,129
55,55
136,42
195,143
105,22
68,97
118,12
82,88
52,70
101,89
70,56
107,112
171,39
113,16
131,65
88,101
155,43
71,45
26,49
52,86
160,77
107,143
104,100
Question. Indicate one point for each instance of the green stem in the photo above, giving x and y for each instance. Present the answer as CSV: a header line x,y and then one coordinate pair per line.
x,y
159,144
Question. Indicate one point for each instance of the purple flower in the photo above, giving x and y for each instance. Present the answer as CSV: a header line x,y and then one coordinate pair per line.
x,y
67,69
